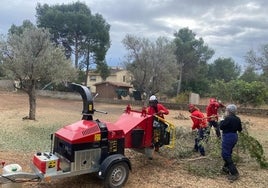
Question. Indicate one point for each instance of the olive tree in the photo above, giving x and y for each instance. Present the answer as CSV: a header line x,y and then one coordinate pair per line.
x,y
152,64
29,57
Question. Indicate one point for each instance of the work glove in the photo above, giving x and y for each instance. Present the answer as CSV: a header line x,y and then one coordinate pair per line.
x,y
221,118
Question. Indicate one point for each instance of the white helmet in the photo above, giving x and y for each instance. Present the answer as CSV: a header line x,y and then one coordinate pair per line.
x,y
153,98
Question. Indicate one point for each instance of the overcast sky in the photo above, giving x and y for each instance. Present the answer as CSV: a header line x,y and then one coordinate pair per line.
x,y
230,27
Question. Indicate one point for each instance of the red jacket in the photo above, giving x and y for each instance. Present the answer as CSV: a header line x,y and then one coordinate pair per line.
x,y
199,120
212,110
159,110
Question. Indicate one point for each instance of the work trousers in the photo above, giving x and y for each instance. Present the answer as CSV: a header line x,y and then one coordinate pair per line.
x,y
216,127
228,142
198,146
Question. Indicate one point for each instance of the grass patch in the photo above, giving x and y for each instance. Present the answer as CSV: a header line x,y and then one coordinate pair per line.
x,y
28,138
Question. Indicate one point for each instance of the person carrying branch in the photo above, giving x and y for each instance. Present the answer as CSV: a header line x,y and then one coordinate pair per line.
x,y
199,123
212,114
230,125
156,108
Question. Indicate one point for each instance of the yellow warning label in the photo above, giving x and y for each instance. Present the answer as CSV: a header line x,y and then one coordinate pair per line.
x,y
51,164
97,137
90,107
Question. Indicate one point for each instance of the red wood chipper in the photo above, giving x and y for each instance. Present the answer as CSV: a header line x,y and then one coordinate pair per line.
x,y
94,146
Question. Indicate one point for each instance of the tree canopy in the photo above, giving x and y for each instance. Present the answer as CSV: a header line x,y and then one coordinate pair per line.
x,y
250,75
82,34
192,55
241,92
170,67
224,69
258,60
29,56
152,64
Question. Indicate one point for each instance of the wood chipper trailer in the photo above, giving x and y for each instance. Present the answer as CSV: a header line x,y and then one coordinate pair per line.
x,y
94,146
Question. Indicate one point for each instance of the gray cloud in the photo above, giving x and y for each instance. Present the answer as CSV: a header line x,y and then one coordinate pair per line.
x,y
230,27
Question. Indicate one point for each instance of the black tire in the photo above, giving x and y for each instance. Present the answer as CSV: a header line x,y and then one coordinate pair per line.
x,y
117,175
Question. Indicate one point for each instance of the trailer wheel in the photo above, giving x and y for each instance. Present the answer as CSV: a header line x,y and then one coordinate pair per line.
x,y
117,175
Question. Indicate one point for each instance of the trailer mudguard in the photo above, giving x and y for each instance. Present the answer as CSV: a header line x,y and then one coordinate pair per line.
x,y
111,160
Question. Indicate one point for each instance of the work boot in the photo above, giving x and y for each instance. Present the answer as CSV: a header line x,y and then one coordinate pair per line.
x,y
201,150
225,170
232,178
149,153
195,150
233,170
234,174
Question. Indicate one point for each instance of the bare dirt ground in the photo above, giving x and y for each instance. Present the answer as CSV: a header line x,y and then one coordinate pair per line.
x,y
158,173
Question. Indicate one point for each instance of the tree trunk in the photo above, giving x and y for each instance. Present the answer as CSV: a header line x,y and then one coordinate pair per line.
x,y
179,81
76,53
87,66
32,101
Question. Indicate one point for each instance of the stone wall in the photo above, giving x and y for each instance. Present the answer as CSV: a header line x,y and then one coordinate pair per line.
x,y
7,85
59,95
173,106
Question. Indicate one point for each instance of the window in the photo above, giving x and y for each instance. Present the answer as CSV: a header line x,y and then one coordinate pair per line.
x,y
93,78
124,78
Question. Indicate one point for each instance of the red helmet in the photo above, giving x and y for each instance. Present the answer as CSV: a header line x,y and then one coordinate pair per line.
x,y
191,107
212,100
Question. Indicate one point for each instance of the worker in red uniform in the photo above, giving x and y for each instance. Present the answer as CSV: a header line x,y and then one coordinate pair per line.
x,y
155,108
212,114
199,123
